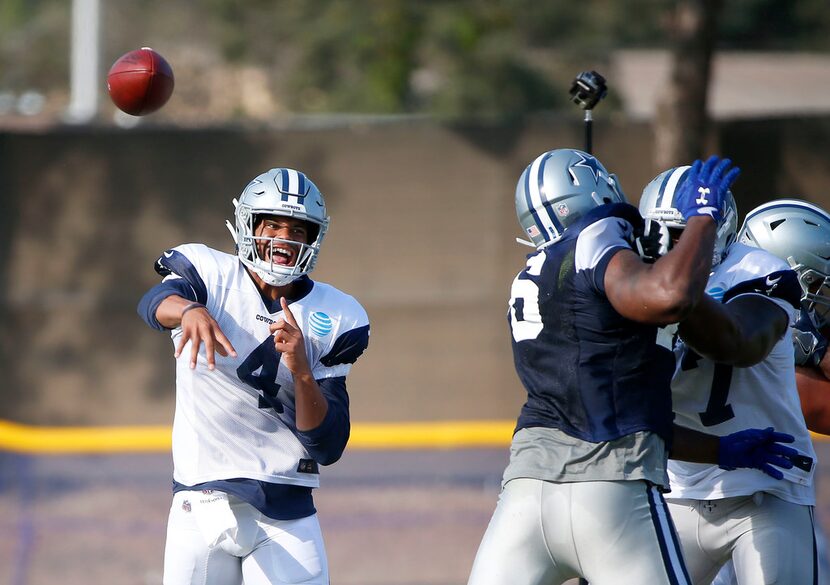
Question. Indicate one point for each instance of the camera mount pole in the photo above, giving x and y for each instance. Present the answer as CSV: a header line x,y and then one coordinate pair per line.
x,y
589,123
587,90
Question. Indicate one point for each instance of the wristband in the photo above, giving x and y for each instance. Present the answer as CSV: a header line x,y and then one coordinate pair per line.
x,y
192,306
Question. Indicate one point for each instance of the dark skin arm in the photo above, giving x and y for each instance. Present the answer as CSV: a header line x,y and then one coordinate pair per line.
x,y
666,291
694,446
814,392
739,333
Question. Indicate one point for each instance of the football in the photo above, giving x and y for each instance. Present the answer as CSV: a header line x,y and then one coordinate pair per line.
x,y
140,82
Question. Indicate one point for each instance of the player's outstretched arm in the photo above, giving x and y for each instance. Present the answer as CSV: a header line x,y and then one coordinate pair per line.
x,y
198,327
740,333
761,449
667,290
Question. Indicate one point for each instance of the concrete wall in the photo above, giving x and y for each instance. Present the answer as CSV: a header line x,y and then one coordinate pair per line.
x,y
422,233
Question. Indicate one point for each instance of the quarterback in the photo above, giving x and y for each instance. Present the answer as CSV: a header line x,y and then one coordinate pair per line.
x,y
735,368
262,354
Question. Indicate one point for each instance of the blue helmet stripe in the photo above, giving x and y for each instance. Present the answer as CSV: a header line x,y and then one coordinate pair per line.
x,y
300,184
284,179
662,191
541,183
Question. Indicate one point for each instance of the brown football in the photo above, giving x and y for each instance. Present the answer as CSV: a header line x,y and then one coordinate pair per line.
x,y
140,82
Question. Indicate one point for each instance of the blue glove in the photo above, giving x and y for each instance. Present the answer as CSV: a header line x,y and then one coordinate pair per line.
x,y
809,345
758,449
705,188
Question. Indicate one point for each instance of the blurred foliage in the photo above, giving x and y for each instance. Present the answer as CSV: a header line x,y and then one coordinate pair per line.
x,y
440,57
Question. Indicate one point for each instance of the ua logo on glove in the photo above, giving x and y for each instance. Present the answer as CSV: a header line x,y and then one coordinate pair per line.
x,y
705,188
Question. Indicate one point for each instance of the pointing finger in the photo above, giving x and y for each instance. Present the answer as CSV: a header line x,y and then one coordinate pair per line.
x,y
289,317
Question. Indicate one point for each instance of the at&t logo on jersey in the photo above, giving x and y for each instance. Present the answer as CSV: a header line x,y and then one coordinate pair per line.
x,y
716,293
320,324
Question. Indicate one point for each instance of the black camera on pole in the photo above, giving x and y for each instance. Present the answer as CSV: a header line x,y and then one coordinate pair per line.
x,y
586,91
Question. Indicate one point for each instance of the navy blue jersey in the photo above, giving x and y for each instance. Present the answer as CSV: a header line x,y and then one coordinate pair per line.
x,y
588,370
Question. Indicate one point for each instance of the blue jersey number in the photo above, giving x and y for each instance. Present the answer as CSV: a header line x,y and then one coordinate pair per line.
x,y
717,410
265,356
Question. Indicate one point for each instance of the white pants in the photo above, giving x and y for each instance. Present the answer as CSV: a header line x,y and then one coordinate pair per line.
x,y
225,541
770,541
608,532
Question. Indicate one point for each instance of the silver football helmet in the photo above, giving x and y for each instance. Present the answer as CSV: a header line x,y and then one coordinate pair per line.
x,y
558,188
798,232
656,203
280,192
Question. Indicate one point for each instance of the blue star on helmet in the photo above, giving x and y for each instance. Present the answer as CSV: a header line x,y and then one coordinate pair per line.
x,y
591,163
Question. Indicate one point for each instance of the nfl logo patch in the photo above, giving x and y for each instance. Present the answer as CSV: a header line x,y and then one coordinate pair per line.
x,y
562,210
532,231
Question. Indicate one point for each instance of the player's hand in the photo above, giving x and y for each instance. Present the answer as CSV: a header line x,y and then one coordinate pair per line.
x,y
289,341
199,327
704,190
810,346
654,242
757,449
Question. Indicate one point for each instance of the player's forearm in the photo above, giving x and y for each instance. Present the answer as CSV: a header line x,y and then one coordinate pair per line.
x,y
685,270
710,330
310,403
170,310
694,446
740,333
149,303
668,290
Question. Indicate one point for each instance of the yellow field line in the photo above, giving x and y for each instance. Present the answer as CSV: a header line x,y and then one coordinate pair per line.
x,y
365,436
422,435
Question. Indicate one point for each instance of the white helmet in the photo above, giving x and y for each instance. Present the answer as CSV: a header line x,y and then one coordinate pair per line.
x,y
657,204
287,193
798,232
558,188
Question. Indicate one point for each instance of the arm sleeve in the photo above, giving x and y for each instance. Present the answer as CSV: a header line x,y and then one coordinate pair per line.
x,y
326,442
152,299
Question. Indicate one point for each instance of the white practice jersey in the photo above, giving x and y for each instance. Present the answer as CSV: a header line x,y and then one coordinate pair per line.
x,y
720,399
238,421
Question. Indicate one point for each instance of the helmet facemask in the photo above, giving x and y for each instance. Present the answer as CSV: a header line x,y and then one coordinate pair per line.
x,y
816,288
799,233
656,204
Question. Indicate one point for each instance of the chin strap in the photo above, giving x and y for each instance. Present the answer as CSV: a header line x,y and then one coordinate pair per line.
x,y
526,243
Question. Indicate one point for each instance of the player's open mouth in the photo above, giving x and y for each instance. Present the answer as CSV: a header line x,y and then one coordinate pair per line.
x,y
282,256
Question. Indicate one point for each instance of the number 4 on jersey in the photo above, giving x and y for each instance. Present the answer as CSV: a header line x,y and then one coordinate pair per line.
x,y
265,356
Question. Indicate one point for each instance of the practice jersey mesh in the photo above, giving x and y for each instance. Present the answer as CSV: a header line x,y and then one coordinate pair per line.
x,y
238,421
721,399
588,371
